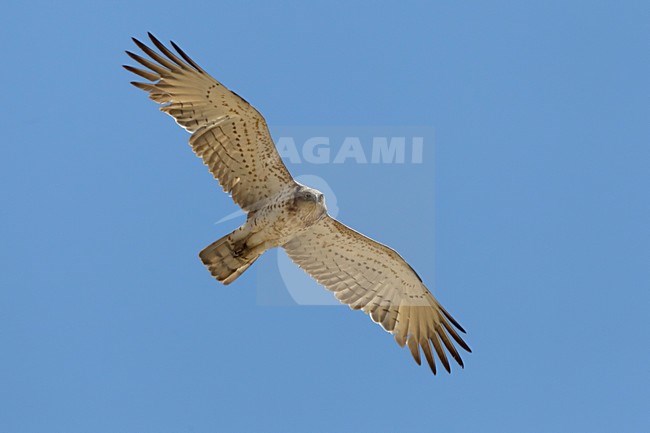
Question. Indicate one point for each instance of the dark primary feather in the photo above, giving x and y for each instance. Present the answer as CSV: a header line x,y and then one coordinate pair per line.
x,y
141,72
146,63
166,51
186,57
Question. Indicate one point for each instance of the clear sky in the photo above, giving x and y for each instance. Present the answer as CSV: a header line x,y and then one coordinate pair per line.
x,y
539,243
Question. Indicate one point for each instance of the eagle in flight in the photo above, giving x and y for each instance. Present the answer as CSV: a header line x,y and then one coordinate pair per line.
x,y
233,140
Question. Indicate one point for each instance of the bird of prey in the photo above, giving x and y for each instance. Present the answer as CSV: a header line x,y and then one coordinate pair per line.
x,y
233,140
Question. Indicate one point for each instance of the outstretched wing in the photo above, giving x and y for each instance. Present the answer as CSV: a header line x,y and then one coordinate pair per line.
x,y
229,134
370,276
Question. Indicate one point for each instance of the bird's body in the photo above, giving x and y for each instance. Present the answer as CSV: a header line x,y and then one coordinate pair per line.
x,y
273,223
232,139
288,213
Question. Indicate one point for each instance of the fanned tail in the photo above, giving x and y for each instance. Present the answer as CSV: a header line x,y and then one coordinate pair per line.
x,y
228,259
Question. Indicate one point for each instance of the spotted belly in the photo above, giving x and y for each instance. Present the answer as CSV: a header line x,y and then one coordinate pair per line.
x,y
280,221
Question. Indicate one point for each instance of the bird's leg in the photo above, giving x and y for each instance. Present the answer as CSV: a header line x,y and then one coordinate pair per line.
x,y
239,247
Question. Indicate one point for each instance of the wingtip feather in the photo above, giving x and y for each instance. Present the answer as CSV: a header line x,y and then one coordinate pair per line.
x,y
415,350
186,57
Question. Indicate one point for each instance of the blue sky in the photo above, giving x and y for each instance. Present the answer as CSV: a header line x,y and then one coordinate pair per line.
x,y
530,224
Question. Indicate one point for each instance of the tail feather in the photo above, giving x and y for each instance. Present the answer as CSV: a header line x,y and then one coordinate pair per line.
x,y
227,259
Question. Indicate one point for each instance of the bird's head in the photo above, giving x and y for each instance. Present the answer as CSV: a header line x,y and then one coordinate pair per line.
x,y
311,199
